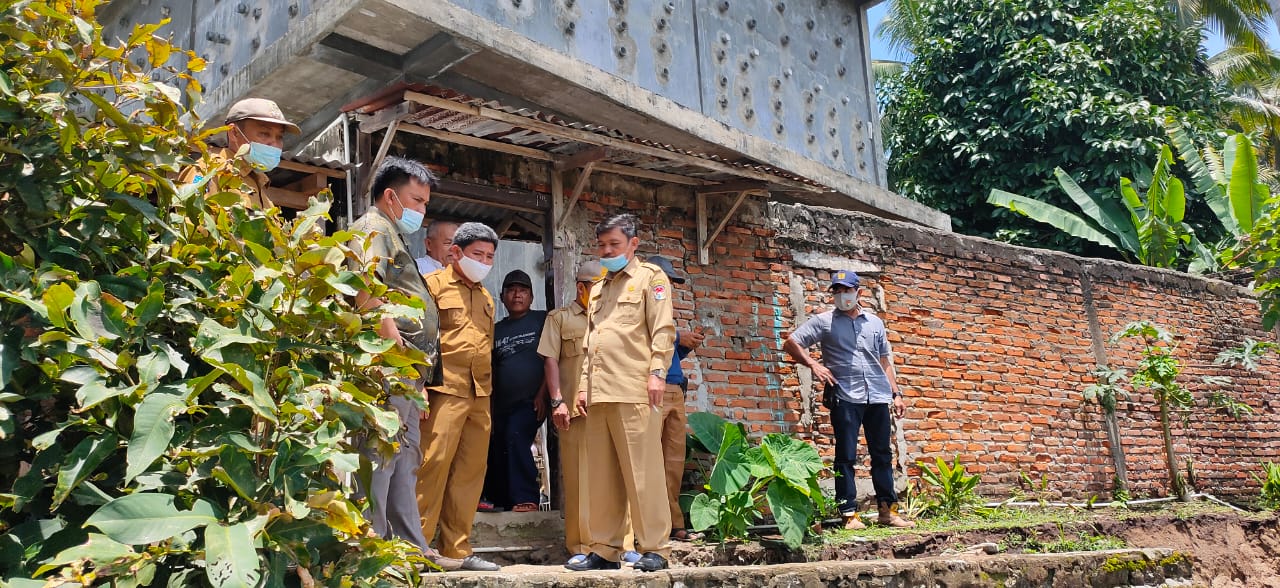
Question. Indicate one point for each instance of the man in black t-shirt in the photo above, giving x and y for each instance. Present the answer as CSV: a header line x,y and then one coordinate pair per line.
x,y
512,478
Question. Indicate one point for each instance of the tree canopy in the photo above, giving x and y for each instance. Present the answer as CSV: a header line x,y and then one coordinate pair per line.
x,y
1002,92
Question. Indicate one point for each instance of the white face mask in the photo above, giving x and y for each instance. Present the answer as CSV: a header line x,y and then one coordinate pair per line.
x,y
846,301
472,269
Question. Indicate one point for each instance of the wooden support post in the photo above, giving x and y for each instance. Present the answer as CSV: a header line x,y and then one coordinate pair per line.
x,y
705,238
578,187
382,153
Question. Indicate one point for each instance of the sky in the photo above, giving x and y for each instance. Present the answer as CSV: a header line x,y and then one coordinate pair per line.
x,y
880,48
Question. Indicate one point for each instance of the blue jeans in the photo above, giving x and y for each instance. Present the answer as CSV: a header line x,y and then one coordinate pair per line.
x,y
846,419
512,477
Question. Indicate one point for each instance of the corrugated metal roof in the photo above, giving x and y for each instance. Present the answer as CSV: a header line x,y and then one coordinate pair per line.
x,y
443,119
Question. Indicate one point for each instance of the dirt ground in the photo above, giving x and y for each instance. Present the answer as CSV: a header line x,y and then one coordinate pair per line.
x,y
1229,549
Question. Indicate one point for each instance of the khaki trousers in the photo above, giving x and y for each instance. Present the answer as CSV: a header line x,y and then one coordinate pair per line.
x,y
573,459
455,451
674,423
624,466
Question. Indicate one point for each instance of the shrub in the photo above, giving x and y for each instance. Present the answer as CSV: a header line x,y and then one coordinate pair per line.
x,y
180,377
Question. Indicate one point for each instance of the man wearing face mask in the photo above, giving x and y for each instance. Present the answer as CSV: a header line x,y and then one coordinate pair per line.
x,y
400,192
861,389
629,346
561,349
254,142
455,436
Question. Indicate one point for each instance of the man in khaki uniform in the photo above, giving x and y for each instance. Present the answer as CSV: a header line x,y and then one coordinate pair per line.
x,y
561,349
400,192
455,438
629,346
254,144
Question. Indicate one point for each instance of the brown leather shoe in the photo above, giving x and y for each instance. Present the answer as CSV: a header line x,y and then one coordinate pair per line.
x,y
853,522
447,564
889,517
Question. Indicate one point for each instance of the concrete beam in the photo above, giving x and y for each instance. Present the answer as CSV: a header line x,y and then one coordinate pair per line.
x,y
472,27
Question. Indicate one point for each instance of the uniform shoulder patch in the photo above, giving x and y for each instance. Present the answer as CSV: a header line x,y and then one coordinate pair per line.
x,y
660,291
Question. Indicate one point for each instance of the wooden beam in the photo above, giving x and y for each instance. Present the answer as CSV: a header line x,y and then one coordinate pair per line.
x,y
578,187
582,158
605,140
382,154
508,198
312,169
469,141
288,198
371,123
648,174
704,238
726,187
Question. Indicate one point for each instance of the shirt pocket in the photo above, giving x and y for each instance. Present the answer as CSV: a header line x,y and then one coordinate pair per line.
x,y
571,342
452,312
630,308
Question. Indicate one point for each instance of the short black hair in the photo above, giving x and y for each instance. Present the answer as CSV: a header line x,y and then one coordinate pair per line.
x,y
626,222
469,233
395,172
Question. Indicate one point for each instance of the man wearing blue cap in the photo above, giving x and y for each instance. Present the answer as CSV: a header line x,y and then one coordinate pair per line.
x,y
857,368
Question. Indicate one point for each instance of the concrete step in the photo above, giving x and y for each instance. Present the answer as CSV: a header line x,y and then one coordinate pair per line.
x,y
1095,569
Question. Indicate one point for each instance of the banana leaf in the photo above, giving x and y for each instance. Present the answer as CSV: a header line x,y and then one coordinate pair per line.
x,y
1067,222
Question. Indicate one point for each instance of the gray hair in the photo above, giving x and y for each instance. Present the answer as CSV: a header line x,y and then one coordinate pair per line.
x,y
469,233
395,172
436,225
626,222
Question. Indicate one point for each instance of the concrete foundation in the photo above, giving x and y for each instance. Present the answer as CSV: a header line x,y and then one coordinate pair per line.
x,y
1101,569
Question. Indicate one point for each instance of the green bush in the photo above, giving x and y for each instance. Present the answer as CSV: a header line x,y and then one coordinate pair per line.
x,y
951,488
1270,482
180,378
781,472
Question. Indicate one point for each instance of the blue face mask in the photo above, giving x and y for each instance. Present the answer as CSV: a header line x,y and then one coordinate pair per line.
x,y
410,220
263,158
614,264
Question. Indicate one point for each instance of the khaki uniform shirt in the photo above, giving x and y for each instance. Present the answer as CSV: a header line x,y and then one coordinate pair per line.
x,y
252,187
466,334
562,337
395,266
631,334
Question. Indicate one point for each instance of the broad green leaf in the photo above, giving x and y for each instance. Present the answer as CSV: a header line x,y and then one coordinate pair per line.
x,y
731,471
138,519
99,550
10,358
1107,213
759,463
153,366
792,510
212,336
1247,199
86,314
152,430
233,559
57,299
81,463
235,470
6,86
708,429
704,512
1049,214
796,460
1175,201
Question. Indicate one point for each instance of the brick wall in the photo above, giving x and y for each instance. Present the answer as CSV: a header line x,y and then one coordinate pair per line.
x,y
993,343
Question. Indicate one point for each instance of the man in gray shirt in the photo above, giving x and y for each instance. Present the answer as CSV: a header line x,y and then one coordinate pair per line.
x,y
857,368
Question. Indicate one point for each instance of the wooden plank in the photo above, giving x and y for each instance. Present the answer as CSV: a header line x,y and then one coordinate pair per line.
x,y
508,198
578,187
312,169
726,187
648,174
288,198
605,140
382,119
704,251
582,158
377,159
742,196
469,141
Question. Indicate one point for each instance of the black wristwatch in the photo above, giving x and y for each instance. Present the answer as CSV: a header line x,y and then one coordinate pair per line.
x,y
556,402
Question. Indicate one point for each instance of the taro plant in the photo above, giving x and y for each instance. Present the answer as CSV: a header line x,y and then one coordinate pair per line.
x,y
780,472
181,379
1270,486
951,487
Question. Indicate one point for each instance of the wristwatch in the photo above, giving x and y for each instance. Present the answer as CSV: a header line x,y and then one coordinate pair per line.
x,y
556,402
659,373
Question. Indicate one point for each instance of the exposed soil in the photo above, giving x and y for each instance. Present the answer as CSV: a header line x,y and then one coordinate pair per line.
x,y
1228,550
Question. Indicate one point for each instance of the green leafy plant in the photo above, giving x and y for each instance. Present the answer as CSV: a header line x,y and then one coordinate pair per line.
x,y
1148,228
781,472
182,380
951,488
1269,481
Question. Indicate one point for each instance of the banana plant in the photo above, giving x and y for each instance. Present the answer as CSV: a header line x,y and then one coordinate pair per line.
x,y
1234,184
1148,229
